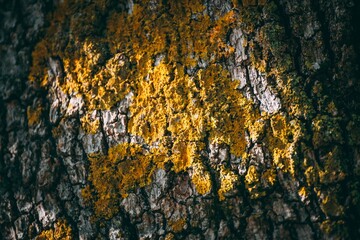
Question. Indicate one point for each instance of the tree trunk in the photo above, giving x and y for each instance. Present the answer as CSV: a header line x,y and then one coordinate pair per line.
x,y
179,119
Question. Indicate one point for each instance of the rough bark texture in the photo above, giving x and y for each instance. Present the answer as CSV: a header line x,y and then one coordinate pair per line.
x,y
179,119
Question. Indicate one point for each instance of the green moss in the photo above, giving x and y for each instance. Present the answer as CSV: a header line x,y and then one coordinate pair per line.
x,y
333,169
326,131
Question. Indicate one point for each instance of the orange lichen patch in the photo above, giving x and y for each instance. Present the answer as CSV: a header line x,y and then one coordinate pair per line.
x,y
282,141
61,231
169,236
33,114
174,106
257,182
89,124
303,193
201,178
269,176
183,155
148,109
256,129
177,114
228,181
227,113
82,51
177,225
167,105
311,175
99,87
252,180
125,167
140,36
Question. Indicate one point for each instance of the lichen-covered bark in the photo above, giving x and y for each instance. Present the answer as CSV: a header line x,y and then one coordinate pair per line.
x,y
179,119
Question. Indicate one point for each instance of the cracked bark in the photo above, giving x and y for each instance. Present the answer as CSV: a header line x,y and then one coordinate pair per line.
x,y
44,163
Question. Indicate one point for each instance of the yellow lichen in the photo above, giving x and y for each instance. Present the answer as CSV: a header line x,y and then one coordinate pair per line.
x,y
256,129
228,181
269,176
89,124
303,193
125,167
169,236
61,231
282,142
177,225
148,53
311,175
201,178
182,95
33,115
251,177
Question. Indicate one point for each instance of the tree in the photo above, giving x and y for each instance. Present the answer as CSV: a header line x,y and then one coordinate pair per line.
x,y
179,119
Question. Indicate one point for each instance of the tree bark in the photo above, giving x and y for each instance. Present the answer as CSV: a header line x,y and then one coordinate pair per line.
x,y
179,120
